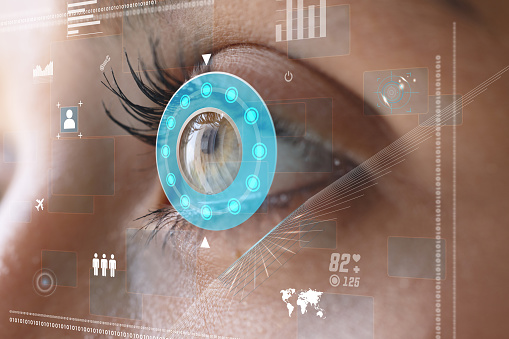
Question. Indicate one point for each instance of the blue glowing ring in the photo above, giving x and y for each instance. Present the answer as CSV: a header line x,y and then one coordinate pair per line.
x,y
235,97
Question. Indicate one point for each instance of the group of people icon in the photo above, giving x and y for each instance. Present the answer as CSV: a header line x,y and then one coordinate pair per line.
x,y
105,264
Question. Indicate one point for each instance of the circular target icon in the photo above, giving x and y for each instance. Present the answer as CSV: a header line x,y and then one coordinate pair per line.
x,y
216,151
394,92
44,282
334,280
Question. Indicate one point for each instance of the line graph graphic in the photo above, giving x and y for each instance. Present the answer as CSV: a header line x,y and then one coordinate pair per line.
x,y
43,75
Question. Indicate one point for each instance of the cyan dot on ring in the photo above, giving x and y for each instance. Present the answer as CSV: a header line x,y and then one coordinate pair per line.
x,y
185,202
170,179
170,123
231,94
253,183
251,115
206,90
234,206
185,101
165,151
206,212
259,151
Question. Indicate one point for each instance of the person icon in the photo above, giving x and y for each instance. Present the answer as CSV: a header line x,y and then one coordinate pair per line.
x,y
112,265
104,265
69,122
95,264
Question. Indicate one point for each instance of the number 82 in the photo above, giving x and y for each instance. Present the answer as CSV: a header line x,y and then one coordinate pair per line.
x,y
336,266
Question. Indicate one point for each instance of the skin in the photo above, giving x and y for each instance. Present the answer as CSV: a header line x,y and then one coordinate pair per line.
x,y
386,35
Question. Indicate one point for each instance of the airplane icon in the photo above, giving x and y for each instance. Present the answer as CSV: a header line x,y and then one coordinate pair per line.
x,y
39,202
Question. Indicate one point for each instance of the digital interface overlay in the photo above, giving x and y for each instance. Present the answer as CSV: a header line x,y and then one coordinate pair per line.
x,y
253,169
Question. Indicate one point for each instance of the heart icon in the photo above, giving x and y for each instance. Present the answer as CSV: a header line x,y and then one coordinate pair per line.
x,y
356,257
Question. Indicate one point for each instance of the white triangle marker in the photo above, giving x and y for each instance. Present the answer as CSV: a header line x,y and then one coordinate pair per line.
x,y
206,58
205,243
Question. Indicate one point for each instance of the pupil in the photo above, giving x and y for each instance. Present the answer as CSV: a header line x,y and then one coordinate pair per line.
x,y
210,152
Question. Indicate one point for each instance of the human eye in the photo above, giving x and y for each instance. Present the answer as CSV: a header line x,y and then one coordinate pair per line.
x,y
312,152
125,214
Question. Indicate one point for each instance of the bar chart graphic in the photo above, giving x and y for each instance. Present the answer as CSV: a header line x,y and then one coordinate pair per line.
x,y
313,28
298,23
79,20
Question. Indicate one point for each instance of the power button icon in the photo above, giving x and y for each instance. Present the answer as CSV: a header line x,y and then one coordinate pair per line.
x,y
288,76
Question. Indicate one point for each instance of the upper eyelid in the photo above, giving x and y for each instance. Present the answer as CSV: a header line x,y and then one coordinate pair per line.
x,y
159,95
243,60
159,90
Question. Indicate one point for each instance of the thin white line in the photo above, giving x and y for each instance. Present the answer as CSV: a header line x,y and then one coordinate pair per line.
x,y
454,182
261,254
438,199
73,32
272,254
89,23
74,18
82,3
377,163
286,249
72,11
85,34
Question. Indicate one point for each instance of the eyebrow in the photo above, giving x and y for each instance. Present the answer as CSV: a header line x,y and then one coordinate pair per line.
x,y
182,34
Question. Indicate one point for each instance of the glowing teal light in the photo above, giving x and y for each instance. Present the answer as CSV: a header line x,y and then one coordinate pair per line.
x,y
185,101
259,151
206,90
251,115
170,123
185,202
206,212
253,183
231,94
170,179
165,151
234,206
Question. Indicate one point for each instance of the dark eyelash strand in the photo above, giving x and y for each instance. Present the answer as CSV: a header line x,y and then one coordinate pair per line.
x,y
178,236
159,89
165,217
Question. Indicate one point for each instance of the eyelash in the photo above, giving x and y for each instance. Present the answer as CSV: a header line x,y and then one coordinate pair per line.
x,y
159,91
159,94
